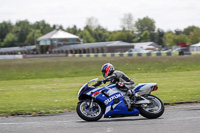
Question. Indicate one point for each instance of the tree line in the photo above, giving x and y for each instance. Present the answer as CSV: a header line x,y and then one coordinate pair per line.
x,y
24,33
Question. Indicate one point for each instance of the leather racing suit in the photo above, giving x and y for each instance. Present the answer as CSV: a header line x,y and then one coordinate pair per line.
x,y
118,76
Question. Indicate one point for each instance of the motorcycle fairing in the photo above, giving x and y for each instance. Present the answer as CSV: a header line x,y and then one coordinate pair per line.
x,y
144,88
113,108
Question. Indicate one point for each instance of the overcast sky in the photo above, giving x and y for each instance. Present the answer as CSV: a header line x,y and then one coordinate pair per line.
x,y
168,14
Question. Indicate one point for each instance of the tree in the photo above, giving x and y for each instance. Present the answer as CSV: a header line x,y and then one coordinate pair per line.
x,y
145,24
189,29
22,29
145,37
90,30
172,39
178,32
127,22
87,37
182,38
125,36
30,40
10,40
92,22
169,38
194,36
159,34
43,27
5,28
74,30
101,34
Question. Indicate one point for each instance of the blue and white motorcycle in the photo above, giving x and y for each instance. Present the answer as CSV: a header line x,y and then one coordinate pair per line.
x,y
94,102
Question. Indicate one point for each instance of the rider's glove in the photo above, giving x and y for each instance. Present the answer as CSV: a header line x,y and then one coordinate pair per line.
x,y
98,83
120,84
104,81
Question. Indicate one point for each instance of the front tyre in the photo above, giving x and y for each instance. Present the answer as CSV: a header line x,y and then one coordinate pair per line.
x,y
153,110
89,114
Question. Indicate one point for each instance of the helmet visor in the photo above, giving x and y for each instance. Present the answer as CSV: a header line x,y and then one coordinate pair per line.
x,y
104,73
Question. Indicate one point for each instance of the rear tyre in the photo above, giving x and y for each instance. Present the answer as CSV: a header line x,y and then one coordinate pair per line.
x,y
89,114
152,110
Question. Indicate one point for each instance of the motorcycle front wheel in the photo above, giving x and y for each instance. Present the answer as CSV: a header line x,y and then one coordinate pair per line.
x,y
88,113
154,109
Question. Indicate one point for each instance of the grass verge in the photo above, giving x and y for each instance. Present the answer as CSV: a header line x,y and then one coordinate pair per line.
x,y
43,86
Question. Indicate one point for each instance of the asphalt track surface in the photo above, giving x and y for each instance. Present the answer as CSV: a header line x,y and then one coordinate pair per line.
x,y
176,119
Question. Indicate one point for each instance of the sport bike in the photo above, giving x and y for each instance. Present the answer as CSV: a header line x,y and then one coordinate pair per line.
x,y
94,102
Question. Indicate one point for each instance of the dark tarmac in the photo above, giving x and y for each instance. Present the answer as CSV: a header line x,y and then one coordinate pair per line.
x,y
183,118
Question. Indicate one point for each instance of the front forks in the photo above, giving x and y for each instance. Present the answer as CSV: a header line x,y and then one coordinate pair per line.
x,y
91,103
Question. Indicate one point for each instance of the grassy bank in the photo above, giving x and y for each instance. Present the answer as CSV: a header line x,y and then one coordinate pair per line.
x,y
81,67
51,85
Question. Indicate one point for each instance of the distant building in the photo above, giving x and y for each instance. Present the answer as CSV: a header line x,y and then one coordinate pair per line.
x,y
18,50
147,45
97,47
195,47
56,38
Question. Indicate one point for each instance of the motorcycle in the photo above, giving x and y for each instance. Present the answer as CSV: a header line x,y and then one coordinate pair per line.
x,y
94,102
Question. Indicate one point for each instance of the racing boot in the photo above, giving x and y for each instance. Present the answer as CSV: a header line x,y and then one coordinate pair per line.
x,y
132,99
130,94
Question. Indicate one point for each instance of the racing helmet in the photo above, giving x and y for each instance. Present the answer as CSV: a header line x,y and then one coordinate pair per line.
x,y
107,69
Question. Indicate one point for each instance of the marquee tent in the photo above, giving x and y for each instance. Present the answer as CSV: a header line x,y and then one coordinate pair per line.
x,y
195,47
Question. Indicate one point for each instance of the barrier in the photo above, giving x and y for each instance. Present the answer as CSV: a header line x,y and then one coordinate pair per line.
x,y
11,56
127,54
98,55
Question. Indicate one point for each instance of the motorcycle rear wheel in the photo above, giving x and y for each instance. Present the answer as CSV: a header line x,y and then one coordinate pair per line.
x,y
153,110
89,114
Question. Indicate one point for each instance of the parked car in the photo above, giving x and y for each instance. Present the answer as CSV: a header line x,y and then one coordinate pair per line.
x,y
180,50
138,50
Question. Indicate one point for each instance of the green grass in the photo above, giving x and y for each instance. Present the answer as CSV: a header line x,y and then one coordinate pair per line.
x,y
81,67
50,85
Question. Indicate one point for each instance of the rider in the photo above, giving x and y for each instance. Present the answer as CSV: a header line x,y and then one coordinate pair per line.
x,y
124,83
